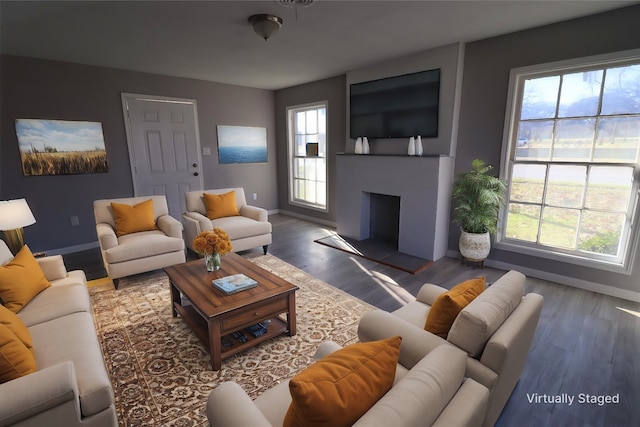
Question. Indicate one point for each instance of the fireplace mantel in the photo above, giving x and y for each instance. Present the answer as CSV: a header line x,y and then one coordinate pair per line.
x,y
423,185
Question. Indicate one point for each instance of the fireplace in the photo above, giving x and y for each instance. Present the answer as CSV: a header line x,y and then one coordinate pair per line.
x,y
420,188
384,218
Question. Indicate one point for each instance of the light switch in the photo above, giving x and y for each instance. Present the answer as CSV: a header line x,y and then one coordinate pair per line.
x,y
206,151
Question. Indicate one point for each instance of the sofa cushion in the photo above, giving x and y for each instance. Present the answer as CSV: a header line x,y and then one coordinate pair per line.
x,y
21,279
341,387
73,338
16,347
241,227
477,322
144,244
421,395
220,205
446,307
133,218
60,299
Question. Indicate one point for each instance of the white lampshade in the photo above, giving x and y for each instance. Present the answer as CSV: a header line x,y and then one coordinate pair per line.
x,y
15,214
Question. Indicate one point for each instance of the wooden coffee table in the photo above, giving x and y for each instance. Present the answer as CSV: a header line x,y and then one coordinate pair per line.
x,y
213,315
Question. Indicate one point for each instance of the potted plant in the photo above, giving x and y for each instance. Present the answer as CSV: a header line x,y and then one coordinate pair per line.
x,y
477,196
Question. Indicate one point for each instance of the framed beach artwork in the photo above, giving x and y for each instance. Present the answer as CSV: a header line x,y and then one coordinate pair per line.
x,y
60,147
242,144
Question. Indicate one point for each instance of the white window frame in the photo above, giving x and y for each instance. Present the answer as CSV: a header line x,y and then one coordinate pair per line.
x,y
291,156
623,265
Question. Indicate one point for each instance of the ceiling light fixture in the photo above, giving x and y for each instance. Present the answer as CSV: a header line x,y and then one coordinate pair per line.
x,y
295,4
265,25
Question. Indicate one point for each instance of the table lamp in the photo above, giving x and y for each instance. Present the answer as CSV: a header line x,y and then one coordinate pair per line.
x,y
15,214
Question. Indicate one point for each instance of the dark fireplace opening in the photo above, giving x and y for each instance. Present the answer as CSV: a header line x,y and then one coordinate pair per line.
x,y
384,224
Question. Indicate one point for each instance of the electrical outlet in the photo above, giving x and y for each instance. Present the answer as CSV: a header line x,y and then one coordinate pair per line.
x,y
74,220
255,196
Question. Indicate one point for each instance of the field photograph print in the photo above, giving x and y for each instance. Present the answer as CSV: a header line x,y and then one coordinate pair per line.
x,y
59,147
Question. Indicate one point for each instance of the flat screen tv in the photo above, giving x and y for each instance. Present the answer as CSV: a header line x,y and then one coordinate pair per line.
x,y
396,107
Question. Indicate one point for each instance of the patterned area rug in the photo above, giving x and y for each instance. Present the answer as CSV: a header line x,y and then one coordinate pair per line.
x,y
162,374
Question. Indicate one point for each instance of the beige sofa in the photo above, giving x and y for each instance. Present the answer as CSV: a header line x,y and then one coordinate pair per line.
x,y
429,390
142,251
495,330
71,386
248,230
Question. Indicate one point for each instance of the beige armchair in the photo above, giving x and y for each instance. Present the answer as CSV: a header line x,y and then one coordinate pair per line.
x,y
429,390
142,251
247,230
495,330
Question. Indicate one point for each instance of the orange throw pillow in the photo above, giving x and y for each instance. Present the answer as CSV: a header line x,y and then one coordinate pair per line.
x,y
341,387
220,205
21,280
132,219
446,307
16,360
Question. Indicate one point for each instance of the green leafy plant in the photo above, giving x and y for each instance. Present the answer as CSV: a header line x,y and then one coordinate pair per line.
x,y
477,196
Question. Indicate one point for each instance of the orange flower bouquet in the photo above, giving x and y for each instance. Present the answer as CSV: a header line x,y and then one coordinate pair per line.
x,y
212,244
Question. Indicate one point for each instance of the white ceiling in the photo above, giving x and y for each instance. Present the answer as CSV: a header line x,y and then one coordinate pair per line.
x,y
212,40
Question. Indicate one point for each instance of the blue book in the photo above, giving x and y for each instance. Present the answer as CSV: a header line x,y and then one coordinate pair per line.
x,y
234,283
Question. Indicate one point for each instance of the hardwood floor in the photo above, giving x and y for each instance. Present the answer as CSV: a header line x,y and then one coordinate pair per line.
x,y
585,342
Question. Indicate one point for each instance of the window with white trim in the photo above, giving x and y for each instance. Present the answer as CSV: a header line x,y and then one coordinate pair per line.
x,y
307,142
573,162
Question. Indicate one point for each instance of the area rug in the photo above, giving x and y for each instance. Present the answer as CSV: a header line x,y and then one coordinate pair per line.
x,y
162,374
374,250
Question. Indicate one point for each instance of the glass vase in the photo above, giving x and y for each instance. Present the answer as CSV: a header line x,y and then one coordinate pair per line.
x,y
212,261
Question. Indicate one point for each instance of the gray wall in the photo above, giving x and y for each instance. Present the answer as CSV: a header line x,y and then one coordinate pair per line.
x,y
32,88
333,91
484,92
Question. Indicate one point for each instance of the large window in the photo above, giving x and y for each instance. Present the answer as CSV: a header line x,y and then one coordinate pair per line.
x,y
573,162
308,155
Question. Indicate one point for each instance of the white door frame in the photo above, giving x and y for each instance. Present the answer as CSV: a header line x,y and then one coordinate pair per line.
x,y
125,111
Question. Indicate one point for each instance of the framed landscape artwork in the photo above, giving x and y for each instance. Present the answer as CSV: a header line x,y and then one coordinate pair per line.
x,y
242,144
59,147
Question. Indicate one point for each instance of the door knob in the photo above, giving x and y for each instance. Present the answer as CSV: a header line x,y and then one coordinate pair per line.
x,y
195,165
196,174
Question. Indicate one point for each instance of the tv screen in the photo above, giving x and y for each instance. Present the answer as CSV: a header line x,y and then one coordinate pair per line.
x,y
396,107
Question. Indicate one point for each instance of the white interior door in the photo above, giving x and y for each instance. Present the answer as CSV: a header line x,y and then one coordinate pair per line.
x,y
164,147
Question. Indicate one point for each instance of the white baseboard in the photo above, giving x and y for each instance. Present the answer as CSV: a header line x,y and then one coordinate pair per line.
x,y
309,218
563,280
72,249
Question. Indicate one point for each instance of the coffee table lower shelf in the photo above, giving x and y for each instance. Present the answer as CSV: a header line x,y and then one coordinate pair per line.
x,y
200,327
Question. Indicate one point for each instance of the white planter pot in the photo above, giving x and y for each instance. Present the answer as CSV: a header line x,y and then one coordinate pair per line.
x,y
474,247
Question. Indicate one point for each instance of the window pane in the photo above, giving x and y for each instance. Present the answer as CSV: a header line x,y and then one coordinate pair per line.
x,y
540,97
301,146
527,183
310,169
321,193
534,140
298,189
580,94
310,191
600,232
609,188
300,123
566,186
312,121
298,169
522,222
559,227
574,140
618,140
321,170
622,90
